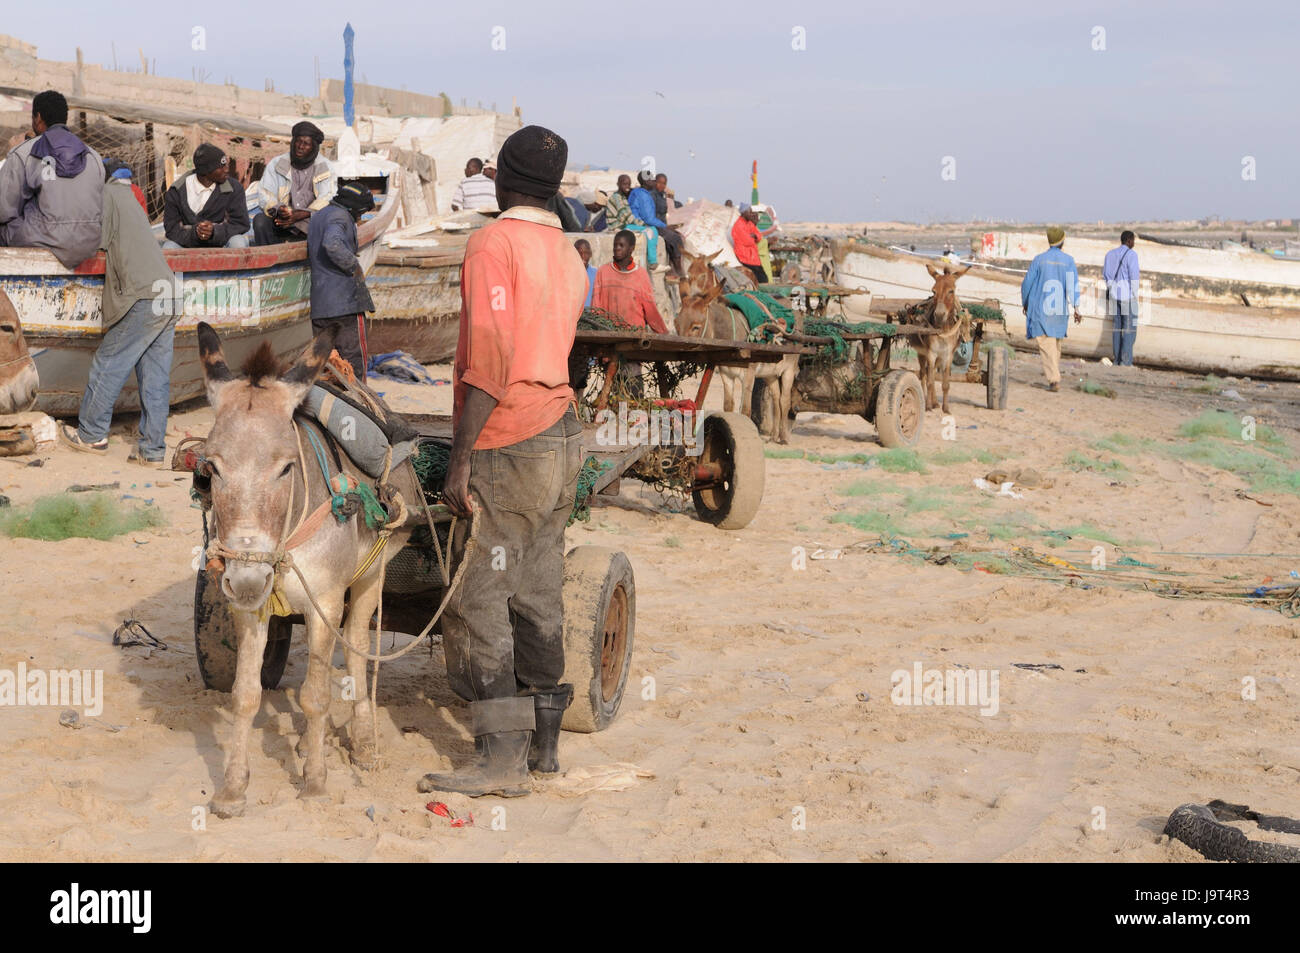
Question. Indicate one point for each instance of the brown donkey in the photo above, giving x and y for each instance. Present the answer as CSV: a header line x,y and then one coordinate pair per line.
x,y
935,351
265,480
18,380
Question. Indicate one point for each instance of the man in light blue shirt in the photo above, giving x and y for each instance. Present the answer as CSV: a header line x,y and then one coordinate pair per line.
x,y
641,201
1048,293
1120,269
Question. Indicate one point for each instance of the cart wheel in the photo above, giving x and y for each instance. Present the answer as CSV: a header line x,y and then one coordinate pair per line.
x,y
996,379
599,623
900,409
215,642
731,444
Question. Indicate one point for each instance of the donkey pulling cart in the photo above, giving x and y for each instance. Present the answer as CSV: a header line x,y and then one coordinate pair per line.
x,y
627,432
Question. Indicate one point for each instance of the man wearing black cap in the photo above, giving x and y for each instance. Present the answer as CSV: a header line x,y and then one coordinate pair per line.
x,y
515,458
294,186
206,208
338,282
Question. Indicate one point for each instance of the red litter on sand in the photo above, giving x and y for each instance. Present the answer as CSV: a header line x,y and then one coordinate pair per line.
x,y
442,810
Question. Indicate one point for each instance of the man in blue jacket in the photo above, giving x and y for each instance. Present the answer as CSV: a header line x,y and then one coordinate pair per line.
x,y
1051,282
338,282
642,202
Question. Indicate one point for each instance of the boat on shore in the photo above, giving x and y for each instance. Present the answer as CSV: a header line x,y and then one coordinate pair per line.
x,y
416,292
249,295
1174,333
1231,276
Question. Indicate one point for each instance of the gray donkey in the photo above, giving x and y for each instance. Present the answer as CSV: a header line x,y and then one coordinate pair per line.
x,y
265,480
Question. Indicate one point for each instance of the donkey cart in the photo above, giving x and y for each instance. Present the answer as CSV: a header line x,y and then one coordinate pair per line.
x,y
849,372
721,466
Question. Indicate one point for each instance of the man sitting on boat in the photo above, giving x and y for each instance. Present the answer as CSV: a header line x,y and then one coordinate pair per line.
x,y
619,214
475,191
51,187
1051,282
206,208
294,186
338,282
139,320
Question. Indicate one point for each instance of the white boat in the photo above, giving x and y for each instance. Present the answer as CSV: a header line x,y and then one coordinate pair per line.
x,y
1181,334
1236,276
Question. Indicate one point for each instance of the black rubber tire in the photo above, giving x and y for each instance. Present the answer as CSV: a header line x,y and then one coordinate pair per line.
x,y
215,644
599,630
900,409
997,378
733,441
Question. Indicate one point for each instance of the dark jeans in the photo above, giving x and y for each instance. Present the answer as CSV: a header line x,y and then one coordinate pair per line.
x,y
351,340
503,631
141,342
674,241
266,232
759,274
1125,332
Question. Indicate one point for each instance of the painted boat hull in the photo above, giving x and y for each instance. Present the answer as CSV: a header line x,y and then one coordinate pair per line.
x,y
417,305
1177,334
249,296
1173,271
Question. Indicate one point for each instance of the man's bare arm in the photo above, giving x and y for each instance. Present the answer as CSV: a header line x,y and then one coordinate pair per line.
x,y
474,415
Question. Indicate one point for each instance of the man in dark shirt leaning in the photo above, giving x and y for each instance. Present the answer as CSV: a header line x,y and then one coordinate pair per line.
x,y
338,282
206,208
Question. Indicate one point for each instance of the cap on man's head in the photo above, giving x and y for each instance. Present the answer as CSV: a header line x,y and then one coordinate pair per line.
x,y
745,207
489,164
354,197
116,169
306,128
1055,234
208,158
531,162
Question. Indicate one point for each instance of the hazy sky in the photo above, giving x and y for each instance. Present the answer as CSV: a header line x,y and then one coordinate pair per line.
x,y
856,126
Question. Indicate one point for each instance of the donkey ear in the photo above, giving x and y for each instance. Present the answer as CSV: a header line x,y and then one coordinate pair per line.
x,y
216,373
934,272
311,362
961,271
710,258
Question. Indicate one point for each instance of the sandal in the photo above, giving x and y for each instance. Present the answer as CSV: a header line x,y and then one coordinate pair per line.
x,y
73,439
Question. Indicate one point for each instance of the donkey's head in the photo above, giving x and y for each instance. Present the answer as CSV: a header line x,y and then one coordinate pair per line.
x,y
18,380
252,453
699,274
693,317
945,294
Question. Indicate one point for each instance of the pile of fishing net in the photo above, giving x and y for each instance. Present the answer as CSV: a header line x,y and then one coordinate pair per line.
x,y
431,459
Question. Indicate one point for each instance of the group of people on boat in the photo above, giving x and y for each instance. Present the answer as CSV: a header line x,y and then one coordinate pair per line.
x,y
58,193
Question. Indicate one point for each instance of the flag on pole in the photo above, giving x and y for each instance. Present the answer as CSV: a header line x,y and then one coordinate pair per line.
x,y
753,181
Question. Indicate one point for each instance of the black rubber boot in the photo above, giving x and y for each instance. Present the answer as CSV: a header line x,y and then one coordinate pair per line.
x,y
543,754
503,730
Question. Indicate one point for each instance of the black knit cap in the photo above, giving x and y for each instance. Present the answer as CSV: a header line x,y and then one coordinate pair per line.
x,y
532,162
208,158
306,128
355,197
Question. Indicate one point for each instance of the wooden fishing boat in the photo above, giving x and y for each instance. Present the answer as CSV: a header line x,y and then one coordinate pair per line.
x,y
416,292
249,295
1233,276
1176,333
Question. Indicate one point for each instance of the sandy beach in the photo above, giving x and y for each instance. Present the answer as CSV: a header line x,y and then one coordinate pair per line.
x,y
760,696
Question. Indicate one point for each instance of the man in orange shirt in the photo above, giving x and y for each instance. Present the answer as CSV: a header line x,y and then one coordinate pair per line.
x,y
745,236
515,459
623,289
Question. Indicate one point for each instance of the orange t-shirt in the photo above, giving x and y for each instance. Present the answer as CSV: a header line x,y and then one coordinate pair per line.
x,y
628,295
522,288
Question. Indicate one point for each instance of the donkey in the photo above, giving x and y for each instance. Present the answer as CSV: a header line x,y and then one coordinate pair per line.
x,y
703,315
935,351
18,379
264,474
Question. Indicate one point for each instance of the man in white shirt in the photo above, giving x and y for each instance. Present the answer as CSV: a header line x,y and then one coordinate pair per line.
x,y
1120,270
476,190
